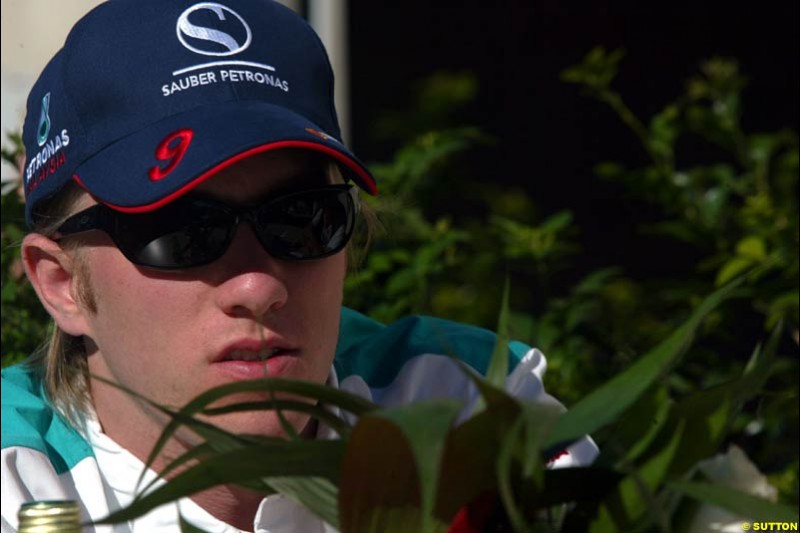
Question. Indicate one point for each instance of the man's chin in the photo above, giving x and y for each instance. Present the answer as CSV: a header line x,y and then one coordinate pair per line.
x,y
263,423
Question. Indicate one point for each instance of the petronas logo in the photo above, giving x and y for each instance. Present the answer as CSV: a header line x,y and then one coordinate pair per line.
x,y
44,121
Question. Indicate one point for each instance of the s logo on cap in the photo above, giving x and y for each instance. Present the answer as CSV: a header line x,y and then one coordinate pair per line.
x,y
187,29
44,121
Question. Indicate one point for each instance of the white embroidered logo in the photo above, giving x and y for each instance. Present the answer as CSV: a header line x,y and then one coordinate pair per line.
x,y
221,39
216,42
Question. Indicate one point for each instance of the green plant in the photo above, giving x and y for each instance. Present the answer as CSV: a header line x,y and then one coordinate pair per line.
x,y
25,321
729,198
742,209
410,468
441,257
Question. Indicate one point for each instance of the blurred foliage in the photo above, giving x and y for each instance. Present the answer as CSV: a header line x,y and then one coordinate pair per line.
x,y
25,321
728,196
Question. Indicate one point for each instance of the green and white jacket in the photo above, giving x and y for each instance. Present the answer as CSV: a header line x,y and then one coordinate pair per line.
x,y
44,458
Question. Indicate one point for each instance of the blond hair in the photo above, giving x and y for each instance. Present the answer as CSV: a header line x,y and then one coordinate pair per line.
x,y
61,360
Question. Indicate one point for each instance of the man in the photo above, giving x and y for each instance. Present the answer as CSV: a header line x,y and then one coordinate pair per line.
x,y
191,205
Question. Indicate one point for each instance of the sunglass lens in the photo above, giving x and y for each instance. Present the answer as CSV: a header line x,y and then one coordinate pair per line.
x,y
309,225
183,236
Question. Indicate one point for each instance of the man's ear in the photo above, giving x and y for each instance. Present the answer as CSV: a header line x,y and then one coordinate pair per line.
x,y
52,273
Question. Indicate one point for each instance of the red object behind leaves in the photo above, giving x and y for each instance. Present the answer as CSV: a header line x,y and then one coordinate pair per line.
x,y
557,455
474,517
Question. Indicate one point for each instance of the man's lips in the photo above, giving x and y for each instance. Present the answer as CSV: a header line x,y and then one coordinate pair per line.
x,y
255,350
254,359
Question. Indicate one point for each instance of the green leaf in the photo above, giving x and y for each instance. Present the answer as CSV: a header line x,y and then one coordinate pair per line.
x,y
519,461
504,478
476,443
638,427
492,387
399,478
227,444
609,169
708,413
330,419
379,486
752,247
200,451
538,421
317,494
783,306
308,458
9,292
596,281
706,417
663,131
498,364
494,397
217,440
740,503
760,365
607,403
680,230
186,527
425,426
557,222
596,71
322,393
635,495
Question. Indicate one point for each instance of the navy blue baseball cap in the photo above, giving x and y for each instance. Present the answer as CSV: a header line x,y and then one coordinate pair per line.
x,y
148,98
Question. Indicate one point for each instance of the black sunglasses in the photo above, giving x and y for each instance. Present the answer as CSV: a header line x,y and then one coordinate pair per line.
x,y
190,232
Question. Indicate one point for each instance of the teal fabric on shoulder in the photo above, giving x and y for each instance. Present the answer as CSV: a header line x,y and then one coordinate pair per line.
x,y
29,421
377,352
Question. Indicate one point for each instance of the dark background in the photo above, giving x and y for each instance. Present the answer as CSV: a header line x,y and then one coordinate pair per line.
x,y
549,134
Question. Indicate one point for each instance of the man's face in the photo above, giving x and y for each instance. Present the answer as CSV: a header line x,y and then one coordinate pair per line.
x,y
171,336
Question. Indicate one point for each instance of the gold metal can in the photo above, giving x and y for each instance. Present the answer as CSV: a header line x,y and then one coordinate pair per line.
x,y
53,516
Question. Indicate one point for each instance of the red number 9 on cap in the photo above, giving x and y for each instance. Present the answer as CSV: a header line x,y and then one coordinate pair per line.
x,y
171,151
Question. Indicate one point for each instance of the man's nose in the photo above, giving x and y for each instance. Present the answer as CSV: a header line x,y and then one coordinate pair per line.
x,y
254,283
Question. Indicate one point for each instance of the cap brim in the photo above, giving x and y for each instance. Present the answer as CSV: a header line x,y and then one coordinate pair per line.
x,y
119,175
